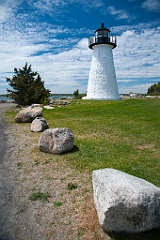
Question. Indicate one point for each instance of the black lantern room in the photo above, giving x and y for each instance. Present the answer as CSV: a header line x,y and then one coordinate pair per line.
x,y
102,36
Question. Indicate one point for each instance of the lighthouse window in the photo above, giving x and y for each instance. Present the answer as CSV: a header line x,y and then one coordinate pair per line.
x,y
102,33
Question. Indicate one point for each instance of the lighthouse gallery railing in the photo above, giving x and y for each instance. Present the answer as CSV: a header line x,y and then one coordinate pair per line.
x,y
106,40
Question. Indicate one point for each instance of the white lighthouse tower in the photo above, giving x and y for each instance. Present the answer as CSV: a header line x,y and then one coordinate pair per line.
x,y
102,83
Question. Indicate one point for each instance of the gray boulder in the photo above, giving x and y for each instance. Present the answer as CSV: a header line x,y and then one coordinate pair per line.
x,y
56,140
125,203
28,114
39,124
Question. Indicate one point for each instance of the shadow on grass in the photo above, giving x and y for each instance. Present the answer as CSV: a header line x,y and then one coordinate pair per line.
x,y
75,149
149,235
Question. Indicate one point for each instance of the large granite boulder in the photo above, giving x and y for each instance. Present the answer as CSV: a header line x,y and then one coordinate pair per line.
x,y
39,124
56,140
28,114
125,203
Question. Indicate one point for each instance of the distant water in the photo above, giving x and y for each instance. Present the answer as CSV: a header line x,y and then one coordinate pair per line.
x,y
57,96
3,97
54,96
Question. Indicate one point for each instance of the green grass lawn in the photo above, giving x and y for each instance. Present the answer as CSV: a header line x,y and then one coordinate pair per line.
x,y
124,135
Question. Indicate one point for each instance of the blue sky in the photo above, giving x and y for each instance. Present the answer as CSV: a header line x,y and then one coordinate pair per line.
x,y
52,36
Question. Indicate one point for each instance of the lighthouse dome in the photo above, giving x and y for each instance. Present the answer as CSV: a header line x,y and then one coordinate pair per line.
x,y
102,36
103,29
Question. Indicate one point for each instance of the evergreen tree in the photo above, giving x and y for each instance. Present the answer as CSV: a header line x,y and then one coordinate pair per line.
x,y
27,86
76,93
154,89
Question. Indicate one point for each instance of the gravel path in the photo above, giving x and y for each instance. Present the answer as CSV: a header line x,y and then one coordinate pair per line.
x,y
6,178
12,222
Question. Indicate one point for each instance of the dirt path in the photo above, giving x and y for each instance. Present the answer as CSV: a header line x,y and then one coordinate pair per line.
x,y
6,179
13,225
15,213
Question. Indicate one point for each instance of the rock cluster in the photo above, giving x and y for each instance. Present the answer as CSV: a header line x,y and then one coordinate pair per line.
x,y
125,203
55,140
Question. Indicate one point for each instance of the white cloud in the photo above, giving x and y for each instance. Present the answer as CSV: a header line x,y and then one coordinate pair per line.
x,y
61,7
4,12
83,44
119,14
52,8
151,5
138,54
137,59
87,5
69,68
138,27
126,80
137,88
7,9
62,71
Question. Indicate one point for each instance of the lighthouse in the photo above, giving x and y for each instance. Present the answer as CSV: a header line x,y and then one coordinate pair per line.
x,y
102,83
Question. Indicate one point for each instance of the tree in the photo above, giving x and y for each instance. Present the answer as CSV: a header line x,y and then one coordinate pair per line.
x,y
76,93
28,87
154,89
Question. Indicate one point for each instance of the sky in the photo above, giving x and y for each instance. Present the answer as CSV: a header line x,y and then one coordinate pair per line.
x,y
52,36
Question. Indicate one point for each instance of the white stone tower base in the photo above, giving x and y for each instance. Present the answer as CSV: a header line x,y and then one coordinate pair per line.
x,y
102,83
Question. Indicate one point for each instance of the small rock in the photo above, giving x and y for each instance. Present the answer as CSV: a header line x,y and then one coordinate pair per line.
x,y
56,140
125,203
39,124
37,105
48,107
